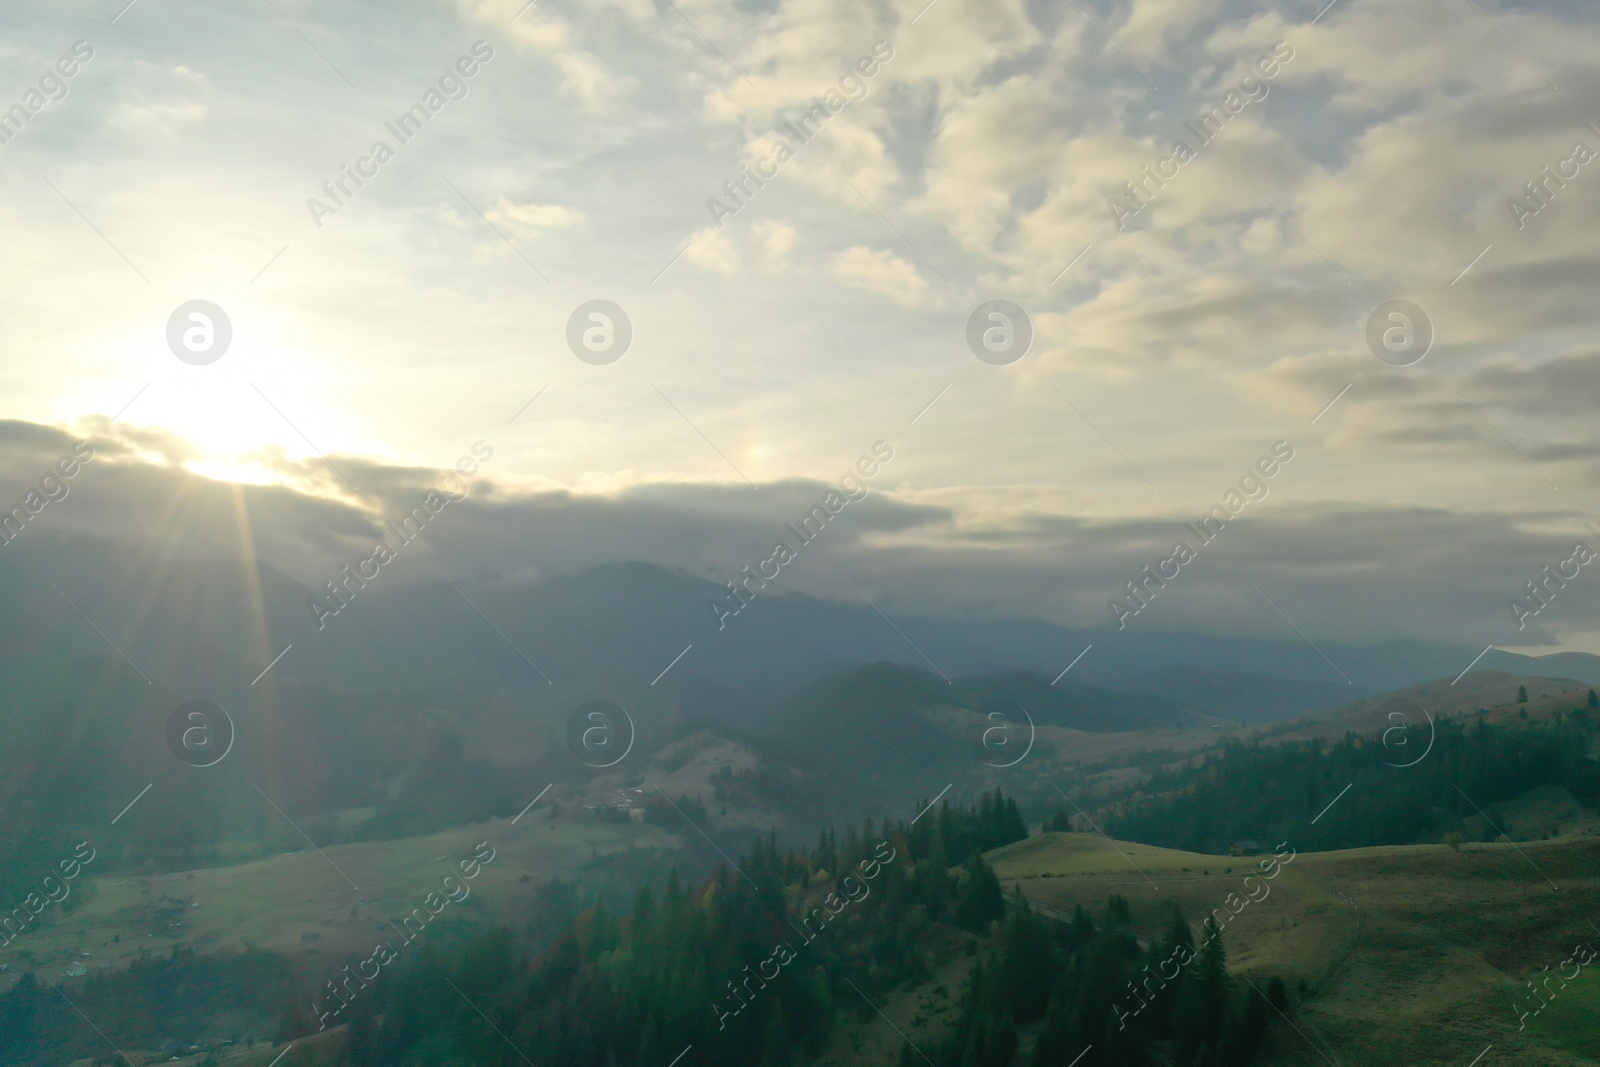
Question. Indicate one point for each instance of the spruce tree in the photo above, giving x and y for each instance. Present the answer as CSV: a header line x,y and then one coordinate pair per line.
x,y
652,1049
775,1045
1202,999
982,899
644,910
1027,962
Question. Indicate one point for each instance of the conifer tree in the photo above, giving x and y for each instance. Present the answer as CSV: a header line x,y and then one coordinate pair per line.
x,y
982,899
775,1045
1202,998
652,1049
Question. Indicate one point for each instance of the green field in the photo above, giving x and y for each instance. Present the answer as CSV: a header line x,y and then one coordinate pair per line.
x,y
346,895
1410,955
1571,1022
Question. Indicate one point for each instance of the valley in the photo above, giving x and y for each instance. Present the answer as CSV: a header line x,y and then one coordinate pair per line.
x,y
1412,947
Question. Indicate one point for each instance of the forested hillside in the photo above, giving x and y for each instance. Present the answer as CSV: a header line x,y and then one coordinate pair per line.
x,y
784,955
1269,792
761,955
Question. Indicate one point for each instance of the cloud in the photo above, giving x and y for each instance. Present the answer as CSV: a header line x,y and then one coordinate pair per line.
x,y
586,79
531,217
1566,387
165,103
1153,25
712,250
1347,572
881,272
776,240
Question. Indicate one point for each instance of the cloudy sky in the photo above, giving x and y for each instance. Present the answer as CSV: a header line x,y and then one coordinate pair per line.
x,y
1370,154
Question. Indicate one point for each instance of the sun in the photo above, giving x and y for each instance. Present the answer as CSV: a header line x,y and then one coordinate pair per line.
x,y
237,419
222,415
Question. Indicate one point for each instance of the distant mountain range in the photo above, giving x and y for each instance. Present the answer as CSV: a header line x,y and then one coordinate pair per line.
x,y
438,703
1239,697
208,628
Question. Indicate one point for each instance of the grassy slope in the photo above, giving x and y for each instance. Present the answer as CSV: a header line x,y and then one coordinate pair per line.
x,y
271,902
1412,954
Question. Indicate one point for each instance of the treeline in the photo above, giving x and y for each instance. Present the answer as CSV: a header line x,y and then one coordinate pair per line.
x,y
960,831
164,1002
1272,792
1103,1002
765,958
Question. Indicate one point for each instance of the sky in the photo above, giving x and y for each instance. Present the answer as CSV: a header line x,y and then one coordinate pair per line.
x,y
1372,152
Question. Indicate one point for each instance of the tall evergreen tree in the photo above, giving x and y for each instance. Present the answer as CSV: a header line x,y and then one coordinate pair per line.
x,y
1202,1001
775,1044
981,898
